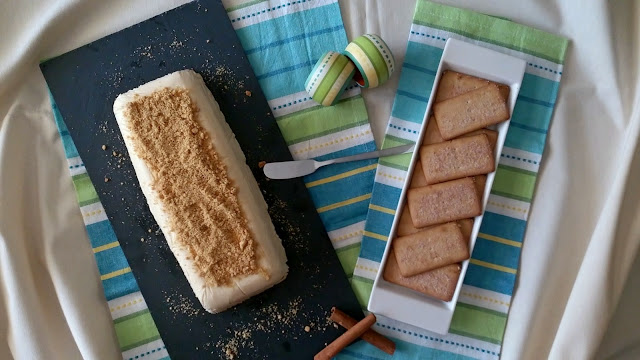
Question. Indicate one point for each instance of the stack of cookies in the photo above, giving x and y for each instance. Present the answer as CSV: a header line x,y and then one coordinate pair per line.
x,y
447,186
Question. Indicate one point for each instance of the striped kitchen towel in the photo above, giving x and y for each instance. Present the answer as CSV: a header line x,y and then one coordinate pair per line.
x,y
135,329
481,313
283,40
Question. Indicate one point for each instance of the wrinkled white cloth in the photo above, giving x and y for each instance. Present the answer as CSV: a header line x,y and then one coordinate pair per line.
x,y
578,287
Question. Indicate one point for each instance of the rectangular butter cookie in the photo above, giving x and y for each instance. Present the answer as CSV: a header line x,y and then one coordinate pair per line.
x,y
444,202
454,83
432,133
471,111
430,249
439,283
491,134
454,159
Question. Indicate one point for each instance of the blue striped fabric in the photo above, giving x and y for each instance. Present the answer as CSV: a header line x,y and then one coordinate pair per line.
x,y
283,40
478,323
120,286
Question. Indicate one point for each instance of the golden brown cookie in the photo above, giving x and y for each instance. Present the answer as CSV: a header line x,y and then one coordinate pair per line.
x,y
480,181
454,159
504,91
439,283
418,179
431,133
405,225
471,111
430,249
444,202
466,227
454,83
491,134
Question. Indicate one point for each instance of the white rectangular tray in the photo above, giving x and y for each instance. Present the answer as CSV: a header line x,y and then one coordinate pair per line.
x,y
406,305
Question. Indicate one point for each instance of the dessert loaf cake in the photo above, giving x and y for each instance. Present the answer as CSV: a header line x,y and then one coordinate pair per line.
x,y
200,190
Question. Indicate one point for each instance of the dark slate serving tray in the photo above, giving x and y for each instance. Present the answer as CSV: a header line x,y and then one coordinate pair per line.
x,y
199,36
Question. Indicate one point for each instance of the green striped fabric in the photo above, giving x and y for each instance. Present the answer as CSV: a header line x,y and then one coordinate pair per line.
x,y
479,321
284,47
300,126
135,329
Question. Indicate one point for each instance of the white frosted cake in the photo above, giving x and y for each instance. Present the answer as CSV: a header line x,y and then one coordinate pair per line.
x,y
200,189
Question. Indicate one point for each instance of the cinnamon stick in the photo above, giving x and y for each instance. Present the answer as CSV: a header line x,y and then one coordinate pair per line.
x,y
370,336
345,339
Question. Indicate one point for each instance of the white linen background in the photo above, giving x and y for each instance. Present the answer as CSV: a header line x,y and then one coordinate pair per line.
x,y
577,265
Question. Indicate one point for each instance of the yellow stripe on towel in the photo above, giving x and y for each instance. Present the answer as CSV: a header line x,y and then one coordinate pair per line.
x,y
104,247
344,203
382,209
115,273
500,240
493,266
375,236
341,176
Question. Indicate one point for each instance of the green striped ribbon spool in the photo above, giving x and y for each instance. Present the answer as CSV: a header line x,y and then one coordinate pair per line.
x,y
329,77
373,58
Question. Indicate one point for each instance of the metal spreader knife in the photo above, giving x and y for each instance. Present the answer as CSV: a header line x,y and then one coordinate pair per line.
x,y
297,168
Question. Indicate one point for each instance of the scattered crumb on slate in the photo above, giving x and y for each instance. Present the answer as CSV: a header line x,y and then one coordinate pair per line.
x,y
261,164
106,179
104,147
225,78
248,93
291,318
176,44
231,352
180,304
298,237
239,339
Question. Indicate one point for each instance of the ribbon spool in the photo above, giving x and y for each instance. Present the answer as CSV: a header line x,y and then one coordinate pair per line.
x,y
329,77
373,59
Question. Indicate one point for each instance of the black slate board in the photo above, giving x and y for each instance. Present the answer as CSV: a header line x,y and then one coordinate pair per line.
x,y
199,36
